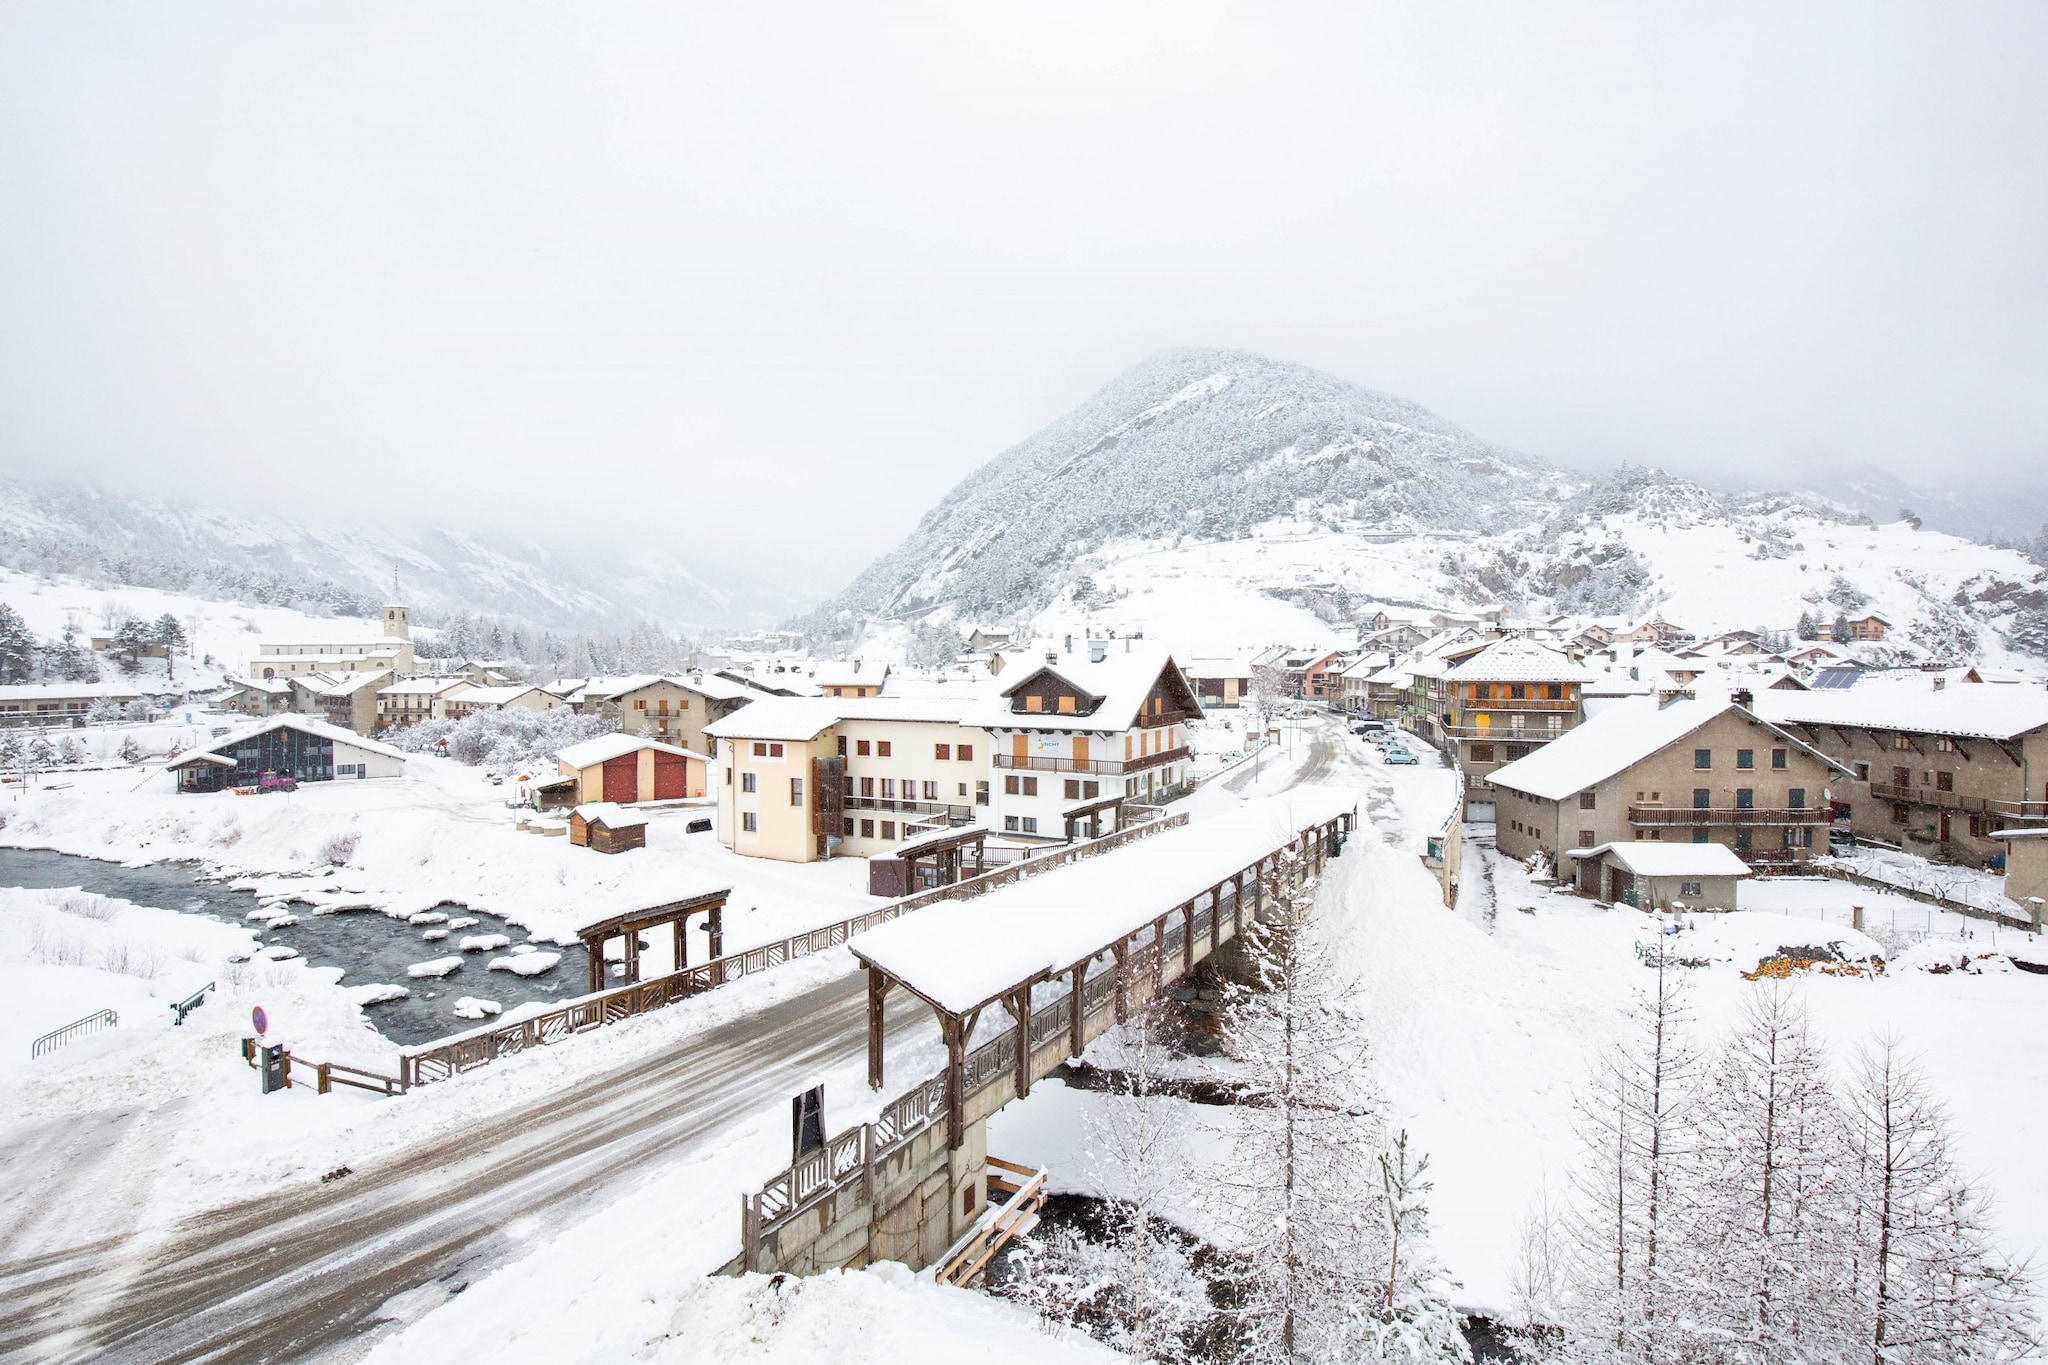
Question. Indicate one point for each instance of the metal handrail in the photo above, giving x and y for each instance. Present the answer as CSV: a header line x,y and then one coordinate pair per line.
x,y
56,1038
190,1003
1109,767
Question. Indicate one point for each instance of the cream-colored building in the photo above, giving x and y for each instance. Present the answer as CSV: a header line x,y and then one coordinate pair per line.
x,y
386,646
772,758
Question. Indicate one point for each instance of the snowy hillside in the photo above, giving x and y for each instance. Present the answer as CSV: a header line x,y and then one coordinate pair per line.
x,y
1216,499
118,540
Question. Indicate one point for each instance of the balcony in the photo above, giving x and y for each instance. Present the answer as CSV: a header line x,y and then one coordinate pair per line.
x,y
1107,767
1949,800
1505,734
958,812
1553,705
1153,722
1697,817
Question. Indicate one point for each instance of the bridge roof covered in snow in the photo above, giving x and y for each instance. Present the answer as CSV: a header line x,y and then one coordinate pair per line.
x,y
959,955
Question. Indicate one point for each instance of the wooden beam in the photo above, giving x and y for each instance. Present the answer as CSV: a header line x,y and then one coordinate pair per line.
x,y
1018,1003
682,945
878,993
596,965
632,937
2017,762
1077,1023
1122,949
716,925
956,1082
1187,944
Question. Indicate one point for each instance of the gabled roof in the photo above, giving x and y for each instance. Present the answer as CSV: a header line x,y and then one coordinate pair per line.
x,y
496,696
48,691
1965,711
1617,739
610,814
594,751
785,718
422,686
1519,660
1121,680
305,725
1670,860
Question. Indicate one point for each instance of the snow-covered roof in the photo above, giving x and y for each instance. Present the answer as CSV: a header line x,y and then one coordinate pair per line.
x,y
421,686
611,815
1619,737
2019,833
711,685
305,725
496,696
341,685
1122,679
594,751
63,691
1670,860
1964,711
788,718
1519,660
960,954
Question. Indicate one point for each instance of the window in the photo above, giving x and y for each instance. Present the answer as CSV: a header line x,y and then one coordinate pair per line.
x,y
760,749
888,789
1482,753
1517,692
1585,838
1742,841
1779,759
1900,815
749,822
1066,706
774,750
867,787
1011,784
849,826
981,793
1030,824
1945,745
931,791
1944,782
942,752
842,746
1795,799
888,829
1976,827
1586,800
867,829
728,777
1745,798
1554,691
796,791
1034,703
862,747
747,781
881,748
1030,786
1090,790
1901,742
1516,751
1699,836
1702,758
1702,798
964,752
1073,789
1010,824
1862,771
1745,758
1690,889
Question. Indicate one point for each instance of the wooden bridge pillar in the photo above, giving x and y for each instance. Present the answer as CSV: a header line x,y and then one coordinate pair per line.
x,y
1187,938
1077,1020
682,948
878,992
717,927
1122,949
1018,1003
632,956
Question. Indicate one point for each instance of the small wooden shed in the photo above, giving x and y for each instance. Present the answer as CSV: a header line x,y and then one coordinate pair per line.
x,y
606,827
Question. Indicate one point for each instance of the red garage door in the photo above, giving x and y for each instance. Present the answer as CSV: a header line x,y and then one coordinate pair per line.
x,y
622,778
671,776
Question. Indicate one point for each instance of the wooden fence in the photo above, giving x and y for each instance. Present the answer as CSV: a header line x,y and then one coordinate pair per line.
x,y
465,1051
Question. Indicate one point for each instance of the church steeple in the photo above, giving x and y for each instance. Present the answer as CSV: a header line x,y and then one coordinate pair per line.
x,y
397,619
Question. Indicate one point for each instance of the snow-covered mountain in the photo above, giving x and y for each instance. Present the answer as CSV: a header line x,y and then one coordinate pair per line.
x,y
1220,498
210,552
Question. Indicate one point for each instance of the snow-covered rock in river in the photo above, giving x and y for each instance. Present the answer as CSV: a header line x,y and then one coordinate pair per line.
x,y
470,1007
427,917
440,966
525,964
483,943
434,935
464,922
376,994
278,952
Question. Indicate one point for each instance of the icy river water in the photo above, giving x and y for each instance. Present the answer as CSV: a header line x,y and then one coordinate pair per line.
x,y
368,946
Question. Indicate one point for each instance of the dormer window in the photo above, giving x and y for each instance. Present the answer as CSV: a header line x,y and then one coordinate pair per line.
x,y
1066,703
1034,702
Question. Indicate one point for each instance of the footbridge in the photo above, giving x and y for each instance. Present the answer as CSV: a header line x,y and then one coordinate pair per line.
x,y
1053,964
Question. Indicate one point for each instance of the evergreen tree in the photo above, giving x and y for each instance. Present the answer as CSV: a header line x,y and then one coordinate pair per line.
x,y
40,754
169,633
13,753
69,660
1409,1319
17,647
131,639
1839,631
1928,1283
1809,626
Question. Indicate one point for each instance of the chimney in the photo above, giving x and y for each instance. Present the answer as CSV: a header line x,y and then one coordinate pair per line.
x,y
1097,649
1068,647
1052,657
1743,698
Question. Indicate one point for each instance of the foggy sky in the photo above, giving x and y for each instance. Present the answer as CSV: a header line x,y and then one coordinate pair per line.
x,y
701,271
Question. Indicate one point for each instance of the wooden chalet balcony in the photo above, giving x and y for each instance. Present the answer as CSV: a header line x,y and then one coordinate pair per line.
x,y
1949,800
1506,734
1552,705
1110,767
1700,816
1162,718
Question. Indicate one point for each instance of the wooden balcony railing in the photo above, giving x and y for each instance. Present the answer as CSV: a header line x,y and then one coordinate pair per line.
x,y
1949,800
1700,816
1159,718
1546,704
1507,734
1112,767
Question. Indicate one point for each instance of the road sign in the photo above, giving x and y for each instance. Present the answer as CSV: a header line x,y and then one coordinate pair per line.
x,y
260,1020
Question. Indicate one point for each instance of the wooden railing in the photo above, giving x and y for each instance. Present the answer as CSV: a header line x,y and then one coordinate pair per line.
x,y
1697,816
1112,767
998,1225
95,1022
466,1051
1980,805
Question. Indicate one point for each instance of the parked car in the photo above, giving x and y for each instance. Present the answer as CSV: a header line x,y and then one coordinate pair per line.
x,y
1841,838
1400,757
271,782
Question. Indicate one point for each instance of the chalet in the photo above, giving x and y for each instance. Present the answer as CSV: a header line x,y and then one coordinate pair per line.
x,y
607,828
67,704
1077,726
1703,771
256,696
623,769
1936,772
1354,684
673,709
489,672
384,647
1221,681
412,700
467,699
1319,678
346,699
298,747
1501,703
1868,628
985,639
861,678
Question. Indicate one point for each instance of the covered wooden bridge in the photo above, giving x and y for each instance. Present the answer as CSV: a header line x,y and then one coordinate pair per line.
x,y
1064,958
629,924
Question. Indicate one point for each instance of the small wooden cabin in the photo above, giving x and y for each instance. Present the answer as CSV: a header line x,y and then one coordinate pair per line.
x,y
606,827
